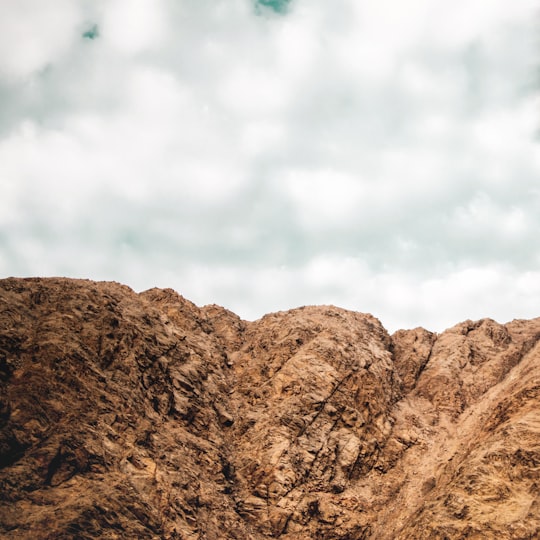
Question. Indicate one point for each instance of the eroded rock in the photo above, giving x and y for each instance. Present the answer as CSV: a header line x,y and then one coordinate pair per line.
x,y
127,415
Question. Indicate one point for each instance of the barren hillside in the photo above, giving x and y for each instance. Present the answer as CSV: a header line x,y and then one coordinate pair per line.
x,y
127,415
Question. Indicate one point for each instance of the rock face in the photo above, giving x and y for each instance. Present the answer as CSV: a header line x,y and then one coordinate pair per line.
x,y
127,415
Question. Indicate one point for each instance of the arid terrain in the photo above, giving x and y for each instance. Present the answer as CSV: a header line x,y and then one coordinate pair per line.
x,y
126,415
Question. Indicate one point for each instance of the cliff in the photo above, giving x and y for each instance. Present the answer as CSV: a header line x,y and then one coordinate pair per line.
x,y
127,415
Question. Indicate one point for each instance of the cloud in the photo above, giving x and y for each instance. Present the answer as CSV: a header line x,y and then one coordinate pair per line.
x,y
405,300
378,156
32,34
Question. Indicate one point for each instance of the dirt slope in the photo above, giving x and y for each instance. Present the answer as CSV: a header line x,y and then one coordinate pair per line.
x,y
127,415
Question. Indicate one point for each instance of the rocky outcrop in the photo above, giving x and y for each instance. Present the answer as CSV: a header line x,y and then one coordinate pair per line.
x,y
127,415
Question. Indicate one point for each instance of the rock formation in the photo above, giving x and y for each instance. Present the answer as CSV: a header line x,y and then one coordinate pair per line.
x,y
127,415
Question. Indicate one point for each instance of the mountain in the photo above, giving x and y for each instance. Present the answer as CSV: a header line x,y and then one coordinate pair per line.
x,y
126,415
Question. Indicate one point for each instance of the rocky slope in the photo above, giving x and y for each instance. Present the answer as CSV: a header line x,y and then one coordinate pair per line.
x,y
127,415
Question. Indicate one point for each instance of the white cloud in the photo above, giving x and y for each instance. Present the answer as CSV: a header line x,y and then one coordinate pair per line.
x,y
400,300
323,198
298,44
378,156
134,26
483,217
34,34
252,91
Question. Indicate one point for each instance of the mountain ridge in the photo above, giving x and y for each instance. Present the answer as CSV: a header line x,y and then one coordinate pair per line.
x,y
128,414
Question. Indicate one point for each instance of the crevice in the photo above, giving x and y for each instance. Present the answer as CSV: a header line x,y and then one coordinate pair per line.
x,y
324,403
424,364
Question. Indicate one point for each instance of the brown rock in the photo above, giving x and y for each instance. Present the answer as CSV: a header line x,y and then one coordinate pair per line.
x,y
127,415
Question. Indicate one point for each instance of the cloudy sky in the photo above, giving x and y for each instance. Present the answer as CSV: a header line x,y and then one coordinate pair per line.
x,y
265,154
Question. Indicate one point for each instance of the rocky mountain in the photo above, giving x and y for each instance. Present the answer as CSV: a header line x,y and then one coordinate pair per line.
x,y
127,415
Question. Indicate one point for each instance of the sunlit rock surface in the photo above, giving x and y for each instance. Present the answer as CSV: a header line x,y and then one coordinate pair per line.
x,y
127,415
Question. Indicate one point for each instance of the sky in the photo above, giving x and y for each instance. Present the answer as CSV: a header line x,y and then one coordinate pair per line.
x,y
267,154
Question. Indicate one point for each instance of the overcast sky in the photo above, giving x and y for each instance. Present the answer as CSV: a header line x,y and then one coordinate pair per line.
x,y
380,156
